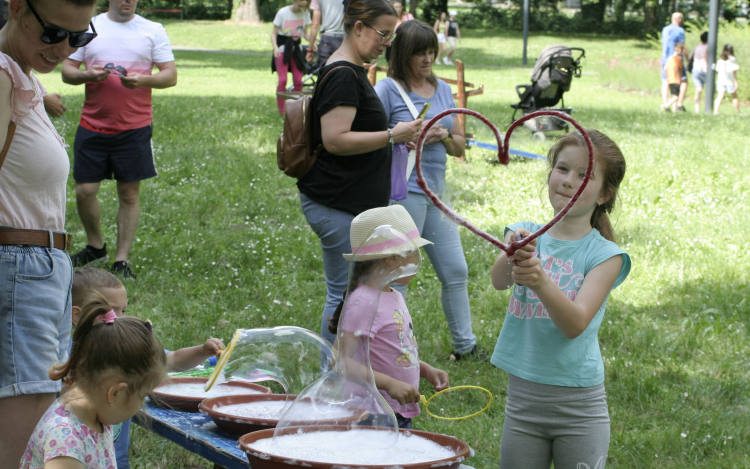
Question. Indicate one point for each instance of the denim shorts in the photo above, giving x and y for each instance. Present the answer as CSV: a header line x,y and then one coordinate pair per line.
x,y
35,317
699,79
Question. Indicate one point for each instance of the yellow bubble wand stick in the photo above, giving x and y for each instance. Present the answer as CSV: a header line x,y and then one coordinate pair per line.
x,y
426,402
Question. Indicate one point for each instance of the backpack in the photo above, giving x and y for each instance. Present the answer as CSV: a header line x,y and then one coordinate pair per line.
x,y
294,148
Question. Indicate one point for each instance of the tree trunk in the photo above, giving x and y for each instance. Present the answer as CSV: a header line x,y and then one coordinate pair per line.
x,y
413,7
248,11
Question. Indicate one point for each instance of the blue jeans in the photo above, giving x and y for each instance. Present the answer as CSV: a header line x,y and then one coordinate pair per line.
x,y
447,257
332,227
35,317
122,446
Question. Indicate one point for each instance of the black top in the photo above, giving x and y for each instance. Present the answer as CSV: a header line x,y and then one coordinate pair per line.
x,y
452,27
352,183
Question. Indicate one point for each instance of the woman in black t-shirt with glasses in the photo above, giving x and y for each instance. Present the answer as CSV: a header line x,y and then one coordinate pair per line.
x,y
353,172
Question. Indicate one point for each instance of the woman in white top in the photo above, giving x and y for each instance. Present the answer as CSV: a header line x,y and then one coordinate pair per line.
x,y
35,270
726,69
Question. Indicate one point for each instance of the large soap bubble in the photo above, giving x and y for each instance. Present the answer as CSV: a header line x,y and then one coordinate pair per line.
x,y
288,355
347,396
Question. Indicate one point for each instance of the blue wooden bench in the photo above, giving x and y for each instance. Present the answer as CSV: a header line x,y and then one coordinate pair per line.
x,y
195,432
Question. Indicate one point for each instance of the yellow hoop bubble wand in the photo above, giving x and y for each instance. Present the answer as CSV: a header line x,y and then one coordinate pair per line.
x,y
426,402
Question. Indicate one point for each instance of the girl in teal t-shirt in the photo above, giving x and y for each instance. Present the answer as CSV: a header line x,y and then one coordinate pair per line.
x,y
557,408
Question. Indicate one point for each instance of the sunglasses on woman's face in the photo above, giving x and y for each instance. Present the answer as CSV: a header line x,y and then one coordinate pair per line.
x,y
53,35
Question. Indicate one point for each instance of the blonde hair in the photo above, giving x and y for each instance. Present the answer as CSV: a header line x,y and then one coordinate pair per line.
x,y
90,279
607,153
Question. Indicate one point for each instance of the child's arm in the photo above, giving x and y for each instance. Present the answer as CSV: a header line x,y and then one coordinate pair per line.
x,y
438,378
458,32
308,37
401,392
502,275
63,462
435,28
571,317
274,33
190,357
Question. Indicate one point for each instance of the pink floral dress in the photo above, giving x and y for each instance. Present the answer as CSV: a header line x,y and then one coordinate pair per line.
x,y
60,433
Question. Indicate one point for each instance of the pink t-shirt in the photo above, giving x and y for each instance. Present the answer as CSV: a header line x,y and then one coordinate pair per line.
x,y
61,434
34,177
393,345
136,45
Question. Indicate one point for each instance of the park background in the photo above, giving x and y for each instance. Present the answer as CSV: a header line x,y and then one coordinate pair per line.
x,y
223,244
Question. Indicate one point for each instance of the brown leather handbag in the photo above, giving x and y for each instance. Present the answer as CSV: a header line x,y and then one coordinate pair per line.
x,y
8,139
294,148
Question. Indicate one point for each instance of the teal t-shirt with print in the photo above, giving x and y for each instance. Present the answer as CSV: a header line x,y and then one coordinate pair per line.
x,y
530,346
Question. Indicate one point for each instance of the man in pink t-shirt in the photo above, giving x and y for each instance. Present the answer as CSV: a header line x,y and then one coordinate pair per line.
x,y
114,136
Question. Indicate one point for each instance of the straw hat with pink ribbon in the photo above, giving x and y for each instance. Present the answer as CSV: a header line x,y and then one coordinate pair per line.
x,y
379,247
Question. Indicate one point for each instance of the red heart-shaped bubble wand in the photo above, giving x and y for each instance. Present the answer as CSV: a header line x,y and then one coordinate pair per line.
x,y
504,158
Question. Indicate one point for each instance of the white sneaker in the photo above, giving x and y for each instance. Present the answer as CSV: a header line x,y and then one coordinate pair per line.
x,y
446,61
449,63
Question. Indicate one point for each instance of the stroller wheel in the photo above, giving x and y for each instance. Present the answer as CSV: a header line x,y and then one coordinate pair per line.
x,y
538,137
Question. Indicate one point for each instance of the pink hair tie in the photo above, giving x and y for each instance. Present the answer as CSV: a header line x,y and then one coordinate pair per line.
x,y
108,318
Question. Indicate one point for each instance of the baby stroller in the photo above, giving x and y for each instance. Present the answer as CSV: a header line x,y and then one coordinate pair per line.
x,y
553,73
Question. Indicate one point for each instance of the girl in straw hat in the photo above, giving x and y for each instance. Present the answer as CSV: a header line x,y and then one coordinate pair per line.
x,y
385,247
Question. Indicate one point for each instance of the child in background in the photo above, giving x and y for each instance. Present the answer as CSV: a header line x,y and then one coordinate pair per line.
x,y
393,346
453,33
726,68
114,364
90,280
673,69
290,25
556,408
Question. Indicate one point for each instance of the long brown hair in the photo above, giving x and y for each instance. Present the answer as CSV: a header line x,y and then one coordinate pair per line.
x,y
725,53
414,37
128,346
366,11
607,153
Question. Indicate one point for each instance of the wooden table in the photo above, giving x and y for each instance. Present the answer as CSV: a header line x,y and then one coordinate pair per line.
x,y
195,432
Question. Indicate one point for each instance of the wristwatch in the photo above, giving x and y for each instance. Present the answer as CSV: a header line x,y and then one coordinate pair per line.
x,y
448,138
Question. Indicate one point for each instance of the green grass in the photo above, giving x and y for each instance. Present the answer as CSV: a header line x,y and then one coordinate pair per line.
x,y
222,238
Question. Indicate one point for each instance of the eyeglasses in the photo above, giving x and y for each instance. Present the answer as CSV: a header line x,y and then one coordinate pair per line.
x,y
384,37
52,35
116,70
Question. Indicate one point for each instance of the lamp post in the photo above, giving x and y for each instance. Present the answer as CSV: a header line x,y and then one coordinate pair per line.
x,y
713,30
526,27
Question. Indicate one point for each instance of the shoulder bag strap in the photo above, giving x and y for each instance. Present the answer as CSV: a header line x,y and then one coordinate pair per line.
x,y
412,161
406,98
8,139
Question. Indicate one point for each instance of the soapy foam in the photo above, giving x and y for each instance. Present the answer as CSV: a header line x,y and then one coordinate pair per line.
x,y
353,447
275,409
196,390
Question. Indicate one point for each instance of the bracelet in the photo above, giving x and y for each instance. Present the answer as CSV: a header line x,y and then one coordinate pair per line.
x,y
390,137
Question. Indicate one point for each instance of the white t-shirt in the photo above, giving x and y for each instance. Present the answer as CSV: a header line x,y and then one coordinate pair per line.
x,y
136,45
725,70
291,23
35,173
331,15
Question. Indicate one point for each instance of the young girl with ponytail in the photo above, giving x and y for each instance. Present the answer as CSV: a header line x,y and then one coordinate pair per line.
x,y
114,364
557,407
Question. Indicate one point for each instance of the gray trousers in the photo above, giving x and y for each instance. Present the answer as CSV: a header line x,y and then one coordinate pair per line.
x,y
545,423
